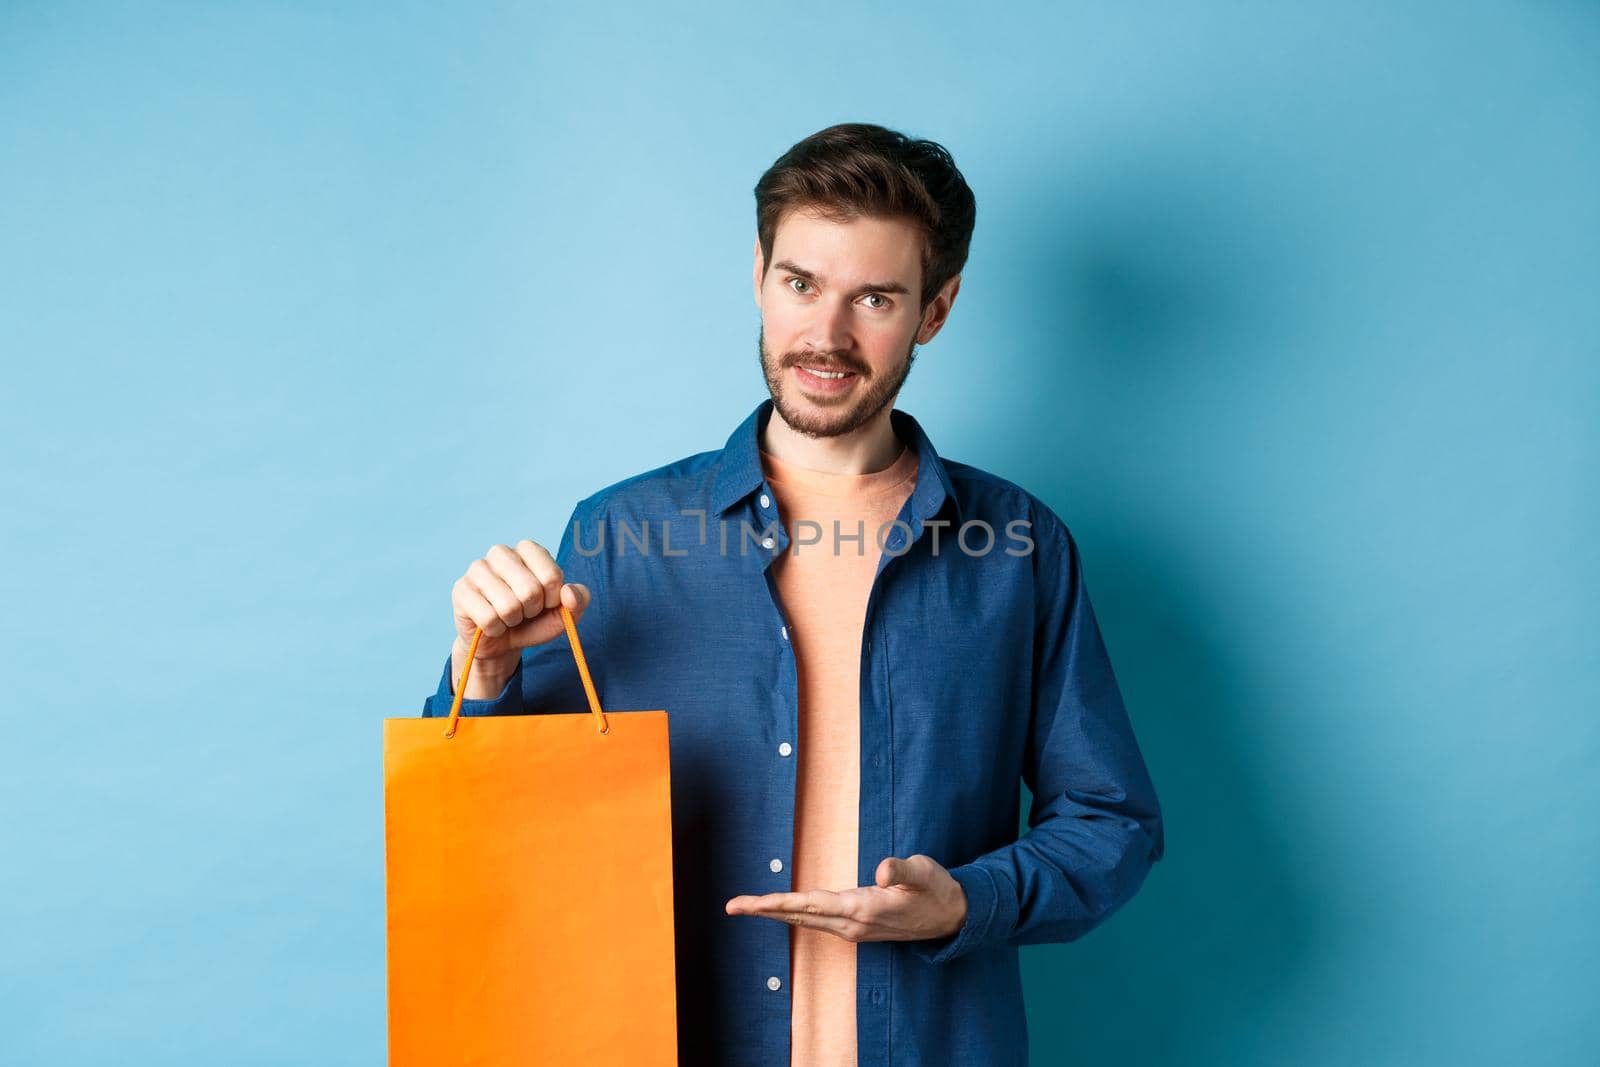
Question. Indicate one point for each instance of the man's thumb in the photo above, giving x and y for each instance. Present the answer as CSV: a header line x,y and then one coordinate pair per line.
x,y
893,871
575,596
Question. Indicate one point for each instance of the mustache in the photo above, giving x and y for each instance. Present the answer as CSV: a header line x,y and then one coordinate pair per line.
x,y
821,363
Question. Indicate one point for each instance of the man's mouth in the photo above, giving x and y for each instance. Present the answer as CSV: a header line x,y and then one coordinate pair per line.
x,y
823,379
823,375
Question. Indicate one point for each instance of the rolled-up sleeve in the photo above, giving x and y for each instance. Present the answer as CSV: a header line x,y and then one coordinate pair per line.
x,y
1095,825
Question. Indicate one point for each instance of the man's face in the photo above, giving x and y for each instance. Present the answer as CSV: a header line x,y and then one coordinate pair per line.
x,y
841,297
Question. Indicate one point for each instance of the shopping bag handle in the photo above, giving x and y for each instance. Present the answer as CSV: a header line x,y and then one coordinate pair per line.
x,y
577,654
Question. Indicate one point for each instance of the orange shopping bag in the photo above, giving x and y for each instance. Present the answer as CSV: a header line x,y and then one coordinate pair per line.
x,y
529,881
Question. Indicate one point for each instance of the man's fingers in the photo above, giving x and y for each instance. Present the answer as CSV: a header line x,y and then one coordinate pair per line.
x,y
545,570
810,902
842,914
870,913
509,566
507,594
811,910
477,608
769,902
507,608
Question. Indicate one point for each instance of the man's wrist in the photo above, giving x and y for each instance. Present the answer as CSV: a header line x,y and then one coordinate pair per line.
x,y
960,919
488,676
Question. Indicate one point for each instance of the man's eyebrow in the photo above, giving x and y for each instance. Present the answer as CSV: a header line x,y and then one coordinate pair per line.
x,y
801,272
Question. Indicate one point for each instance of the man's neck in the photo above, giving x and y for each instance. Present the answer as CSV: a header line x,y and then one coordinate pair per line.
x,y
865,450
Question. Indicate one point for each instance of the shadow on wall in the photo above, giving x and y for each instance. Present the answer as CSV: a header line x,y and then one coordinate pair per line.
x,y
1154,296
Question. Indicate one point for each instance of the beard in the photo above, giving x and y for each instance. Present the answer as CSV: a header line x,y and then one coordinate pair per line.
x,y
824,418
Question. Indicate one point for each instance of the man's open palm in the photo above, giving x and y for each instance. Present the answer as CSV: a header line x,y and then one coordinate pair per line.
x,y
914,898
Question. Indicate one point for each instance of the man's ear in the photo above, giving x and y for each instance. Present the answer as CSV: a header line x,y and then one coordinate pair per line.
x,y
755,276
933,318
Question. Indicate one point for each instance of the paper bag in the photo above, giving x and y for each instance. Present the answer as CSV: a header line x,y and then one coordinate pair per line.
x,y
529,884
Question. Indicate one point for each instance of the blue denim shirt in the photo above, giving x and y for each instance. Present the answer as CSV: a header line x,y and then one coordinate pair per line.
x,y
979,670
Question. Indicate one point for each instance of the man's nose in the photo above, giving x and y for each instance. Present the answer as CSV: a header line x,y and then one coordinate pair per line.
x,y
828,327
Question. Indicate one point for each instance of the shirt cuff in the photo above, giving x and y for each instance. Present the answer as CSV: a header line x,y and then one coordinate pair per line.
x,y
509,702
983,906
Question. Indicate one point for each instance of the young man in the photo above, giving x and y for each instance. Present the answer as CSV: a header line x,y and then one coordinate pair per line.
x,y
863,648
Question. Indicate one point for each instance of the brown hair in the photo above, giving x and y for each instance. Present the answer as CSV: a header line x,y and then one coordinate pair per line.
x,y
855,169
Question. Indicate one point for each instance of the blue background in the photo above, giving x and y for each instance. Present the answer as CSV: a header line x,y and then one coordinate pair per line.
x,y
1289,310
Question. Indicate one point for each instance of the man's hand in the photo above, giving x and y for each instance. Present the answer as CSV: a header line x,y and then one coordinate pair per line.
x,y
511,594
914,899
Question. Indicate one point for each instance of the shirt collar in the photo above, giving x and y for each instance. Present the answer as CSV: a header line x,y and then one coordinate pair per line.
x,y
739,473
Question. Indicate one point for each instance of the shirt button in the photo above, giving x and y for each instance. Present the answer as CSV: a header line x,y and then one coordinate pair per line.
x,y
767,542
765,501
785,631
773,983
776,866
785,748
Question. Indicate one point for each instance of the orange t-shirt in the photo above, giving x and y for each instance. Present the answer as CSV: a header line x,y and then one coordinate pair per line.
x,y
824,588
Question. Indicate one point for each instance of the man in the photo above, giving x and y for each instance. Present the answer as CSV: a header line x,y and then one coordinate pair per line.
x,y
862,647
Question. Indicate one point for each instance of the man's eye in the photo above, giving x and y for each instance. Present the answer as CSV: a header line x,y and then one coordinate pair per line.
x,y
798,281
877,296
